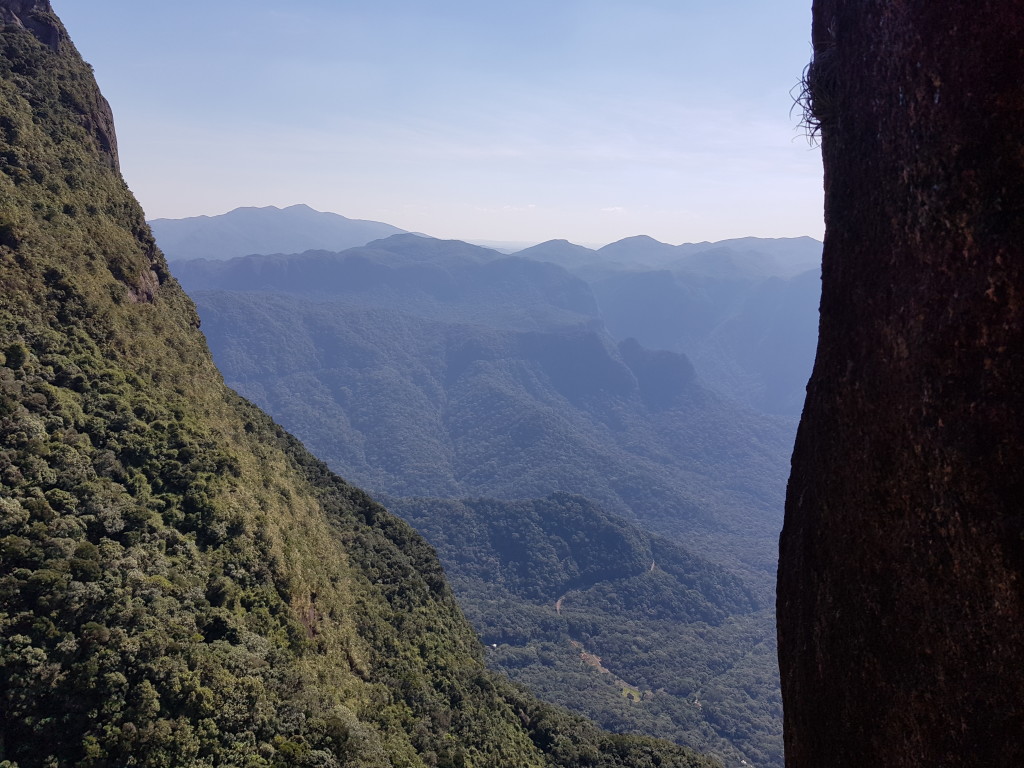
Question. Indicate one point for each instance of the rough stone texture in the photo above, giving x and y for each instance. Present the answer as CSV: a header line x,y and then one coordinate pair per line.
x,y
900,606
37,17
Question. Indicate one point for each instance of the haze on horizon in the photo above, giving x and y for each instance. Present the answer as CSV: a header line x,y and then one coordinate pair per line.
x,y
589,120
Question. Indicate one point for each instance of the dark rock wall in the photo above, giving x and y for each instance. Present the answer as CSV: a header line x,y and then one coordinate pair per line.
x,y
900,602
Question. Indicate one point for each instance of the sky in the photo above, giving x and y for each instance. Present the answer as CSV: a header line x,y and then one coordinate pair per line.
x,y
589,120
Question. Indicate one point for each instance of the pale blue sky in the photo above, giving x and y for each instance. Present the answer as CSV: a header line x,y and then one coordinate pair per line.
x,y
590,120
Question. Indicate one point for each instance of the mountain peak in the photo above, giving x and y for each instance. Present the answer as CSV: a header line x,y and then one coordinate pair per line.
x,y
638,247
303,208
424,247
264,230
37,17
88,109
561,244
559,252
640,239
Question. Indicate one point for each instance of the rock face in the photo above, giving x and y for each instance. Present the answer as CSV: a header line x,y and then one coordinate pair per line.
x,y
36,16
900,606
94,113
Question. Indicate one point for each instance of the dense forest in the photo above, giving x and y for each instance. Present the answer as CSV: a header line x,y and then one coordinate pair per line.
x,y
180,581
458,372
629,628
464,387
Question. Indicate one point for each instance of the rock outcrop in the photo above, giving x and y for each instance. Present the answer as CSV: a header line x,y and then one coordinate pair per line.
x,y
36,16
900,603
94,113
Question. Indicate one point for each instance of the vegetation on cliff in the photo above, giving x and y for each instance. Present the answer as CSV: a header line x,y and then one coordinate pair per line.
x,y
426,368
180,582
629,628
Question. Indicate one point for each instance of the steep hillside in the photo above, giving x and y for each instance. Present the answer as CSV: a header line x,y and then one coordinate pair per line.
x,y
180,582
244,231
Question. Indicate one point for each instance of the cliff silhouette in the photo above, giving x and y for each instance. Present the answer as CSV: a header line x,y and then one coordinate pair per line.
x,y
899,597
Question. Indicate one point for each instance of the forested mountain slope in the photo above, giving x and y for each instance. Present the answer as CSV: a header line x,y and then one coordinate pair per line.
x,y
751,337
408,405
181,583
513,390
631,629
744,310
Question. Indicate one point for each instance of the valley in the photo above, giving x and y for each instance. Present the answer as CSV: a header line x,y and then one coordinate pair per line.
x,y
181,581
584,508
464,386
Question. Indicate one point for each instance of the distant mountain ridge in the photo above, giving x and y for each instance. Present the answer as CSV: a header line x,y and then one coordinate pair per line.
x,y
446,279
472,374
181,583
744,310
246,231
299,228
737,257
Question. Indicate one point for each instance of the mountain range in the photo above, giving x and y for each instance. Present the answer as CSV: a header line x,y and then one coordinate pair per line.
x,y
464,387
743,310
423,367
300,228
181,582
745,256
263,230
